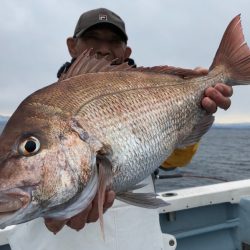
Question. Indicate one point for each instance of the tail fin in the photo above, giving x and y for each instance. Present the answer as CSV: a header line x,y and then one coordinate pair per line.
x,y
234,53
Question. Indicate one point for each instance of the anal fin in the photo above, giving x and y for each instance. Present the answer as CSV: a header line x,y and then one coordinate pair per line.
x,y
199,130
145,200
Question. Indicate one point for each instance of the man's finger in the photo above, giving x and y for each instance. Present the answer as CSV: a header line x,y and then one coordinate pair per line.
x,y
93,215
209,105
219,99
78,221
225,90
54,225
109,200
201,70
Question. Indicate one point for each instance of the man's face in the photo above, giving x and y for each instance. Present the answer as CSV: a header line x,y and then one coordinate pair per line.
x,y
103,41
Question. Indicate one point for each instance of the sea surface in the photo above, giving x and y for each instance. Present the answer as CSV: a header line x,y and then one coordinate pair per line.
x,y
223,155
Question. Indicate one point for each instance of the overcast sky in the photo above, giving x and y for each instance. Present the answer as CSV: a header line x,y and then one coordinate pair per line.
x,y
183,33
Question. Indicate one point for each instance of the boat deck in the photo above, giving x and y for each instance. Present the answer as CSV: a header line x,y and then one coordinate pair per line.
x,y
209,217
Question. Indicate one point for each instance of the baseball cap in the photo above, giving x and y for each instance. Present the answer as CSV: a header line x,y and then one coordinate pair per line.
x,y
97,17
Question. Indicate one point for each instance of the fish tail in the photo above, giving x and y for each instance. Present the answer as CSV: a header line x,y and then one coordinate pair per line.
x,y
234,54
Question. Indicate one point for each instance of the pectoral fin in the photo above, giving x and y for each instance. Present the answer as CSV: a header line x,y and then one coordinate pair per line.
x,y
180,72
104,183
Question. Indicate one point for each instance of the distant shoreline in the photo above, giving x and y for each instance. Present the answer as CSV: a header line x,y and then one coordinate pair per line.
x,y
215,126
4,119
231,125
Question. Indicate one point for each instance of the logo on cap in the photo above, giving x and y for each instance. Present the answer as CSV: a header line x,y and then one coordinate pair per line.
x,y
103,17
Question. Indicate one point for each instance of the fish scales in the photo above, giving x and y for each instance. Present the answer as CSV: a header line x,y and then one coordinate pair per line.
x,y
144,131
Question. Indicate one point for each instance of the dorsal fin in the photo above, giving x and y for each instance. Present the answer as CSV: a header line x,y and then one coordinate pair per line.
x,y
171,70
88,62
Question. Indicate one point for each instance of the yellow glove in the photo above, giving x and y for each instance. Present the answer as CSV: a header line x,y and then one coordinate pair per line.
x,y
180,157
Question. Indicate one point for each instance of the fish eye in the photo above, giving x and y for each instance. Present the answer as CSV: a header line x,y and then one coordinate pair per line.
x,y
29,146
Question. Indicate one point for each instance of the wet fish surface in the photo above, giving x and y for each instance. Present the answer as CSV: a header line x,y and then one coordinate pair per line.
x,y
106,127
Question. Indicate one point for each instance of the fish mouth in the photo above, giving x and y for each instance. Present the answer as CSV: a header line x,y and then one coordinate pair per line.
x,y
14,199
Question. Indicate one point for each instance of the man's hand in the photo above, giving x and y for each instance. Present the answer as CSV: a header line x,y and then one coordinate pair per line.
x,y
217,96
77,222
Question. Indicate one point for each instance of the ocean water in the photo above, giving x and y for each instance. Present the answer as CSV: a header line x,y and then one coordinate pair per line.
x,y
2,124
223,155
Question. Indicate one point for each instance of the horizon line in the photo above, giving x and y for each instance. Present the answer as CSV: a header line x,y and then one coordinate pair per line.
x,y
215,123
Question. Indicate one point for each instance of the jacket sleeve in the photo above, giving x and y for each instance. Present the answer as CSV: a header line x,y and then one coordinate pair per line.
x,y
180,157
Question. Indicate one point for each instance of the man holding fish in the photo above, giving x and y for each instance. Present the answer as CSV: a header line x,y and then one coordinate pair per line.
x,y
104,32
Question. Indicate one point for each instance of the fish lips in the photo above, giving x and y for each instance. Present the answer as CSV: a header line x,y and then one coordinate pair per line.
x,y
14,199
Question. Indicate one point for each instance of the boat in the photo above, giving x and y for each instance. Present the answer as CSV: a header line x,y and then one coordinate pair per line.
x,y
210,217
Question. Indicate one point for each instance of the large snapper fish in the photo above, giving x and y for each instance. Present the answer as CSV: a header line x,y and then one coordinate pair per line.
x,y
105,127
